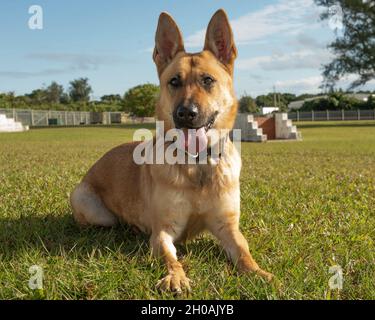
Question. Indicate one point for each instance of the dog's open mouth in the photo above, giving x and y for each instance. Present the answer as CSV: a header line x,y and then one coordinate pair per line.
x,y
195,140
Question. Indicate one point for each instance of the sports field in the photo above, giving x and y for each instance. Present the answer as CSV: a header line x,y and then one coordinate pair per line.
x,y
306,206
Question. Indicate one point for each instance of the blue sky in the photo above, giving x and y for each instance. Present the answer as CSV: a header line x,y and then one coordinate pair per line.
x,y
280,42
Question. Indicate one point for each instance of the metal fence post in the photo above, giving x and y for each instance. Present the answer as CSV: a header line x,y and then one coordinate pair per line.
x,y
327,115
359,114
14,114
297,115
32,117
342,115
47,115
312,115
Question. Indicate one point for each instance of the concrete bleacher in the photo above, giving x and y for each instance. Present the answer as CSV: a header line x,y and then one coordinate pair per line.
x,y
285,129
249,128
276,127
10,125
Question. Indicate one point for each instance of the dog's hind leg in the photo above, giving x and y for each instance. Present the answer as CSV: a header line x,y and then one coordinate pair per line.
x,y
89,209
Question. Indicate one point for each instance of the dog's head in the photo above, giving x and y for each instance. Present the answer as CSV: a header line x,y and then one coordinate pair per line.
x,y
196,89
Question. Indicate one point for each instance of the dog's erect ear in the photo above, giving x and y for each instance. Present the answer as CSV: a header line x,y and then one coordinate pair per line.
x,y
168,41
219,39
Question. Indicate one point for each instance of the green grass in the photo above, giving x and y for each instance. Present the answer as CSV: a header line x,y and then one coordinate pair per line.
x,y
305,207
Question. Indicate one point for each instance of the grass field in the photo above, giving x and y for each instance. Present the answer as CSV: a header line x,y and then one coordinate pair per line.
x,y
306,206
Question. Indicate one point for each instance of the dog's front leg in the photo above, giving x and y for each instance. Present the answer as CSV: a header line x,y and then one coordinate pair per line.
x,y
163,247
226,229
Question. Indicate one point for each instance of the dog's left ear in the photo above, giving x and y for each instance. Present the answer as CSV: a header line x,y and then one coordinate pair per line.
x,y
168,41
219,39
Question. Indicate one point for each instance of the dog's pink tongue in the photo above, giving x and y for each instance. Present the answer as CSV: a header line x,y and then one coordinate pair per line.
x,y
200,138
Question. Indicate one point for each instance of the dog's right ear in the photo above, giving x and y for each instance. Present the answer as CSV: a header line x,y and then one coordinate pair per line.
x,y
168,41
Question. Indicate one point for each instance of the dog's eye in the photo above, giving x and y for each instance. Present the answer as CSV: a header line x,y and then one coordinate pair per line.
x,y
208,81
175,82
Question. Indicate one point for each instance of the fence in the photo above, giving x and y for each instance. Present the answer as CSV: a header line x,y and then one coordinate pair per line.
x,y
330,115
41,118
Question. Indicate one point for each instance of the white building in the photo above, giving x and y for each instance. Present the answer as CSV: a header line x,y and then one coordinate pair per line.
x,y
267,110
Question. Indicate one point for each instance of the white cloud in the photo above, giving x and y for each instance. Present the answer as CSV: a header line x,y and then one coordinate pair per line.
x,y
284,17
301,59
71,62
311,84
304,40
77,61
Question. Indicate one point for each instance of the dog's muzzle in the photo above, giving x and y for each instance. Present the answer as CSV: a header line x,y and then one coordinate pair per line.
x,y
194,128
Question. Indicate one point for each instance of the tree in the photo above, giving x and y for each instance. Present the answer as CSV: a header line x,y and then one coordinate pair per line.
x,y
282,100
37,96
247,105
65,98
114,99
141,100
7,100
265,100
370,104
347,102
54,92
288,97
321,104
79,90
354,48
337,100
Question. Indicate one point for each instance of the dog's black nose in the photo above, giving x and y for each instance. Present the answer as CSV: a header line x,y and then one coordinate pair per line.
x,y
187,114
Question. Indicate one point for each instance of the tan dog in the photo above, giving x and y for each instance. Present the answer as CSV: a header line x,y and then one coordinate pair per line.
x,y
176,202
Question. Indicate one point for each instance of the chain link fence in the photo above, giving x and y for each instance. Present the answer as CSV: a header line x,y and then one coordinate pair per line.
x,y
43,118
329,115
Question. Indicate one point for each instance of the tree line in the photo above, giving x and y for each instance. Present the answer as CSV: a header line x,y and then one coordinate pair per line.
x,y
334,100
139,101
339,100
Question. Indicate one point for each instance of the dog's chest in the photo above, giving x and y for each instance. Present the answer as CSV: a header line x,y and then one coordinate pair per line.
x,y
202,177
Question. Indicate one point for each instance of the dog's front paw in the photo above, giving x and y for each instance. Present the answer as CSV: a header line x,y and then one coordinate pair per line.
x,y
175,282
